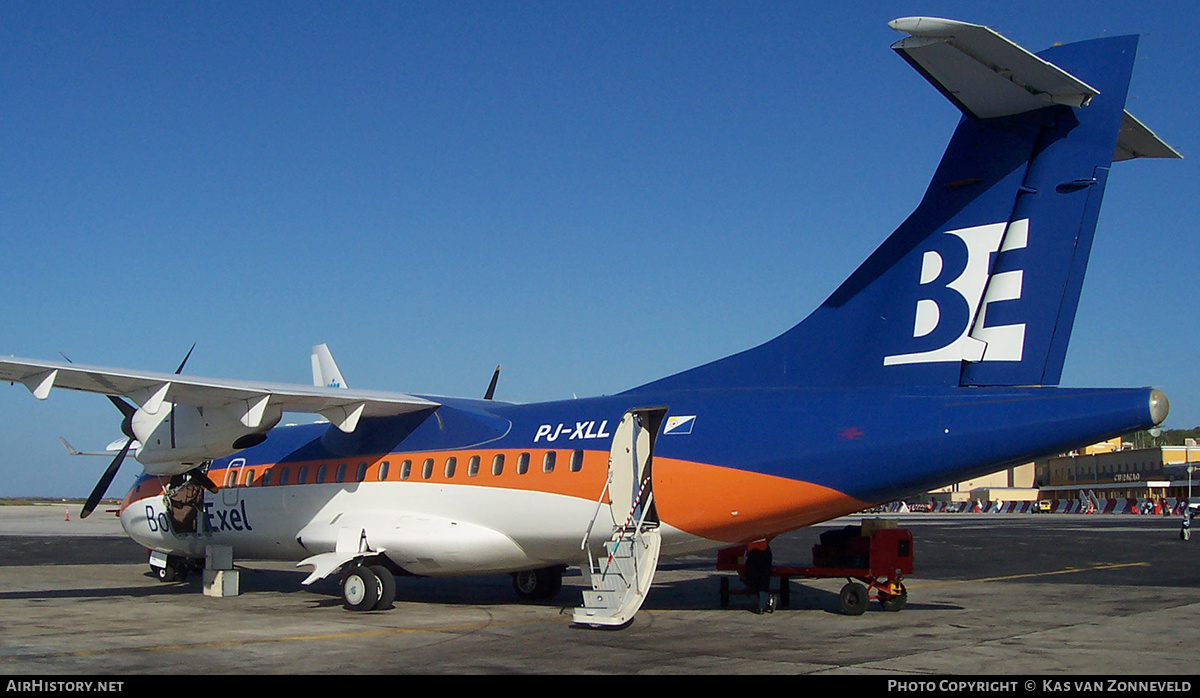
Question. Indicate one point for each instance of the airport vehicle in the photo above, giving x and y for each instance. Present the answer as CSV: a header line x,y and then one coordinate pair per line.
x,y
874,558
935,361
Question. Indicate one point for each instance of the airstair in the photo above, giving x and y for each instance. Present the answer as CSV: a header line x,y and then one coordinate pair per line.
x,y
621,577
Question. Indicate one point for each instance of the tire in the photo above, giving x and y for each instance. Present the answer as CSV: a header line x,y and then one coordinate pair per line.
x,y
536,585
176,570
360,589
387,587
895,603
854,599
525,583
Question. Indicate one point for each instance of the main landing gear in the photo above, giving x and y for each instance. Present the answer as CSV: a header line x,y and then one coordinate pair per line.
x,y
368,587
538,585
373,587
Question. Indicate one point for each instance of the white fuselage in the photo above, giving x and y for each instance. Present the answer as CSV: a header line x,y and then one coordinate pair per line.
x,y
429,529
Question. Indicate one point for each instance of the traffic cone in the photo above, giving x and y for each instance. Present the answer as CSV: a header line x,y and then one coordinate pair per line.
x,y
68,515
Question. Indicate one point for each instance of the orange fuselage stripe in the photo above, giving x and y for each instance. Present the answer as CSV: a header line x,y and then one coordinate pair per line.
x,y
723,504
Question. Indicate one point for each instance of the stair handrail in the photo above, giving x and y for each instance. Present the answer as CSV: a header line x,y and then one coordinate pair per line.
x,y
619,533
591,524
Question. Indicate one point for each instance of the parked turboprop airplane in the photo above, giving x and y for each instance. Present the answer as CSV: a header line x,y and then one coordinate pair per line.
x,y
931,363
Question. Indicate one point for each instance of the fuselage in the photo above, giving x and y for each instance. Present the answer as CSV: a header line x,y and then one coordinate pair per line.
x,y
478,486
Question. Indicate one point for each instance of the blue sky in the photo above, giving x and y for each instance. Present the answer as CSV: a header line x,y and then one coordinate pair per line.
x,y
593,195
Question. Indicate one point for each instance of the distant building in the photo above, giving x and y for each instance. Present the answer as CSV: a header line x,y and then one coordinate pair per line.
x,y
1014,484
1107,470
1125,472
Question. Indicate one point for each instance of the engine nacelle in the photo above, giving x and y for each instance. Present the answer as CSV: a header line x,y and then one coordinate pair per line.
x,y
184,436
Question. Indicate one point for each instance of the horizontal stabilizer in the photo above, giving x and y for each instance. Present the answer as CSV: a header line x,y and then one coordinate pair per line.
x,y
987,76
109,453
983,73
1137,141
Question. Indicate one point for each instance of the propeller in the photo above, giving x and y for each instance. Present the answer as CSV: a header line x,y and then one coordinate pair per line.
x,y
492,386
127,411
105,480
177,372
196,474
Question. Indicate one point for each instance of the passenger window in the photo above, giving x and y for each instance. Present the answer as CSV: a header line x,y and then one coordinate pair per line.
x,y
249,481
321,474
231,478
427,469
266,478
498,464
283,475
383,471
548,461
340,473
576,460
302,476
362,472
451,463
522,464
473,466
405,469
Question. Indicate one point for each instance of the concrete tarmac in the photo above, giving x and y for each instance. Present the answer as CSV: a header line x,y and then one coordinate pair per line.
x,y
1017,595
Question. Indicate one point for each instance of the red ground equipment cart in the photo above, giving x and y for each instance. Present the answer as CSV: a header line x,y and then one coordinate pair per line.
x,y
874,558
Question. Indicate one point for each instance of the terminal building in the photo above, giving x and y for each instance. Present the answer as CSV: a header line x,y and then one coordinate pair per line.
x,y
1110,470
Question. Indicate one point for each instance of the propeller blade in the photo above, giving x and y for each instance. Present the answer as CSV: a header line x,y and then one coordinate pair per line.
x,y
203,480
492,386
185,358
208,484
127,411
126,408
105,481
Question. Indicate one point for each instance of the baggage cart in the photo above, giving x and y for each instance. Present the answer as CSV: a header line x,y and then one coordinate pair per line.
x,y
874,558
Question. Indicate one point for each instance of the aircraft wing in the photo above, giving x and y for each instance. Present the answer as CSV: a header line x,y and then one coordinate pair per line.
x,y
150,390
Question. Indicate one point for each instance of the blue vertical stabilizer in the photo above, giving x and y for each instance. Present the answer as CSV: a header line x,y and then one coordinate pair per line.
x,y
979,286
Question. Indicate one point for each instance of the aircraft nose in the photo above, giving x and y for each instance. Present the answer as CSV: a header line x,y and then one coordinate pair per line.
x,y
1159,406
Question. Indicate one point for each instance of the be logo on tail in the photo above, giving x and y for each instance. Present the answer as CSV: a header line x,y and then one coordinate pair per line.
x,y
956,287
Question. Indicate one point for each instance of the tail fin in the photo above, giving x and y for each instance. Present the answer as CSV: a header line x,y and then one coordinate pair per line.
x,y
325,370
979,286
